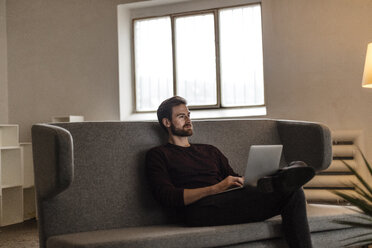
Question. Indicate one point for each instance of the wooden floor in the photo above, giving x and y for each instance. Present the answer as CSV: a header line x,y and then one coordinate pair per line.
x,y
23,235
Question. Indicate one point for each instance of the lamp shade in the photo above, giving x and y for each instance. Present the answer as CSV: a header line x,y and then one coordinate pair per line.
x,y
367,75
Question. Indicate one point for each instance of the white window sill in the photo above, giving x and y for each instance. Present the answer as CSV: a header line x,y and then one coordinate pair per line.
x,y
206,114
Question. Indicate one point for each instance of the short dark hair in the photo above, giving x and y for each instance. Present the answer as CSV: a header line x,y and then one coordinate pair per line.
x,y
165,109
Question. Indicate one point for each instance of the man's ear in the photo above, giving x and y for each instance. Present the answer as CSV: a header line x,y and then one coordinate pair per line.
x,y
166,122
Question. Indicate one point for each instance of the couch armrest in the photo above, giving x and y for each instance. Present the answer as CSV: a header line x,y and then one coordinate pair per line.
x,y
53,159
306,141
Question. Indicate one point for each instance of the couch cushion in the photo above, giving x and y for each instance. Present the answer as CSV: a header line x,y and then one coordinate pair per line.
x,y
321,218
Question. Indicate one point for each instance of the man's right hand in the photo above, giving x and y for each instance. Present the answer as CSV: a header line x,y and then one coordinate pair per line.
x,y
192,195
227,183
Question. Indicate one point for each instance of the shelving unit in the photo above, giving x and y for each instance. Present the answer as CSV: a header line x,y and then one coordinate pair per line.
x,y
12,205
11,167
17,194
68,118
8,135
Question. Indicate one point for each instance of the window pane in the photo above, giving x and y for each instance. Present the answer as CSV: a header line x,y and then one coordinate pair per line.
x,y
196,59
241,56
153,62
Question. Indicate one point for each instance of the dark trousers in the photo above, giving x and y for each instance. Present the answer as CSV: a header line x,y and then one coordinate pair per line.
x,y
249,205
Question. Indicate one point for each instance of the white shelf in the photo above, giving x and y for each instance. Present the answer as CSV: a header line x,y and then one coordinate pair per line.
x,y
68,118
11,167
8,186
9,147
12,206
8,135
17,194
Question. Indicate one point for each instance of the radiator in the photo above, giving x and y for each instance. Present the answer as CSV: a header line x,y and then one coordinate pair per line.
x,y
337,176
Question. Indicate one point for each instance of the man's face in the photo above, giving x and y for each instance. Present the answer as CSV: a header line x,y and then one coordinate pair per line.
x,y
181,123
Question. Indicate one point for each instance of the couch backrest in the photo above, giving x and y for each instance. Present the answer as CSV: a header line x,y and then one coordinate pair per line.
x,y
109,188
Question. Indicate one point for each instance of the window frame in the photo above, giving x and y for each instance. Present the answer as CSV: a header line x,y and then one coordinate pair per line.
x,y
215,12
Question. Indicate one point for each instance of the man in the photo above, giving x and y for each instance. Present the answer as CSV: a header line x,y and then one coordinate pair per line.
x,y
188,177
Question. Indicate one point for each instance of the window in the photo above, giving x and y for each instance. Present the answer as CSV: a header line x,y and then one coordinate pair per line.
x,y
195,61
212,58
153,62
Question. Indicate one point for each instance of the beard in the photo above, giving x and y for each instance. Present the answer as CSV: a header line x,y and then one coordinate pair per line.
x,y
181,132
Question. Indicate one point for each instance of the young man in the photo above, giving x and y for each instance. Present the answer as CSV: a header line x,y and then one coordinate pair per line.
x,y
188,177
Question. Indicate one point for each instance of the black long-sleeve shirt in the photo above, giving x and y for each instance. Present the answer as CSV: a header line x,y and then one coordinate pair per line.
x,y
170,169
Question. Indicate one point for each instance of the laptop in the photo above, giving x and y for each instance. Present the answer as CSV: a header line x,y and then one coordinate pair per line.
x,y
263,160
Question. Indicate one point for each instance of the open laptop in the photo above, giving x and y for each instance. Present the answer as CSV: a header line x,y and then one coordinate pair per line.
x,y
263,160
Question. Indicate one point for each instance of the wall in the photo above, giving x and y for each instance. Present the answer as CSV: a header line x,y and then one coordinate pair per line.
x,y
314,55
3,66
63,59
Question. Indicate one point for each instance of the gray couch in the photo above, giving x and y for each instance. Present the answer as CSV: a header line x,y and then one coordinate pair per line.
x,y
91,188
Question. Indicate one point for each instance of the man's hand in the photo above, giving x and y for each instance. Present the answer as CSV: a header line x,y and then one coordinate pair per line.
x,y
227,183
192,195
